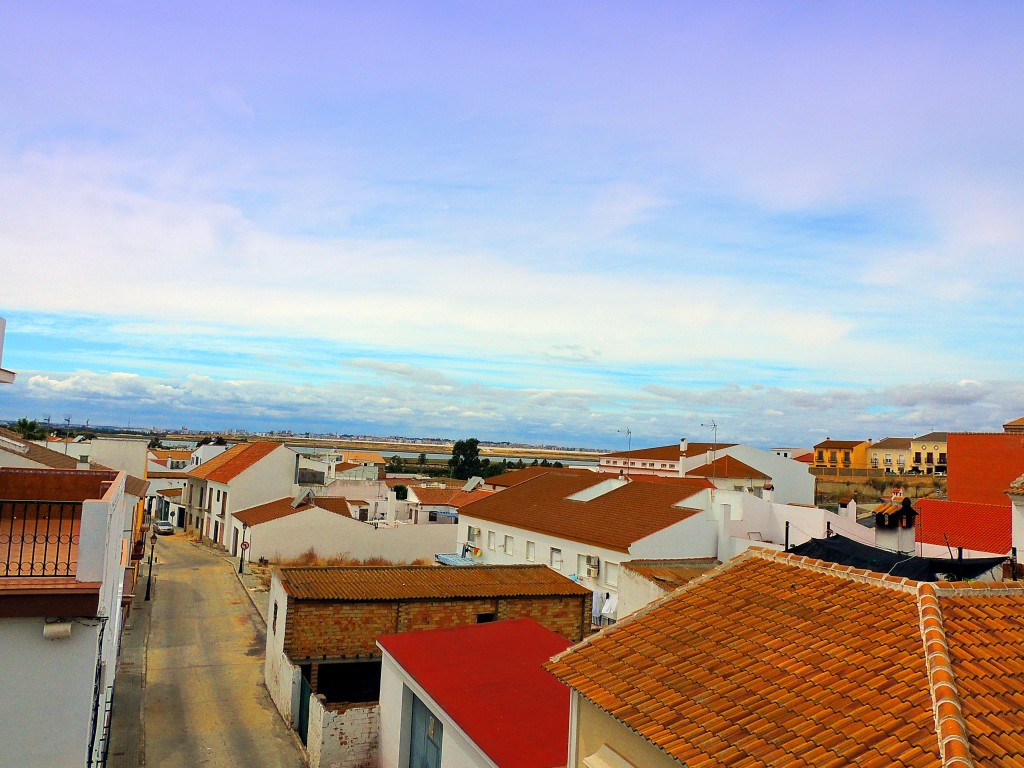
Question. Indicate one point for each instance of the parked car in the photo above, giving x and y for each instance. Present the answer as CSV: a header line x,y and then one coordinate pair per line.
x,y
163,528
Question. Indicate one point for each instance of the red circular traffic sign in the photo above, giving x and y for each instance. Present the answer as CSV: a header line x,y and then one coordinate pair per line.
x,y
245,545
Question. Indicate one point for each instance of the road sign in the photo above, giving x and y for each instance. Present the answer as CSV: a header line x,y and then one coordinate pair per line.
x,y
245,545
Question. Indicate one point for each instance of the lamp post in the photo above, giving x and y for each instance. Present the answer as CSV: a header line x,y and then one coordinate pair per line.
x,y
149,581
241,551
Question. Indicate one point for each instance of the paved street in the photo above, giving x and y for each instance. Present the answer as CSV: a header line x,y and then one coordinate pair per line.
x,y
205,703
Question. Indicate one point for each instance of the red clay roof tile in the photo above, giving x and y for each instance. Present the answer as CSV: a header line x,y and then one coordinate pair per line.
x,y
228,465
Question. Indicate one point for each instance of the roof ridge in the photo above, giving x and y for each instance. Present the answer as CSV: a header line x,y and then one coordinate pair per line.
x,y
627,620
862,575
950,727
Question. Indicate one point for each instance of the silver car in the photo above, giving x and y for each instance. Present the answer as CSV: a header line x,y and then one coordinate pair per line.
x,y
163,527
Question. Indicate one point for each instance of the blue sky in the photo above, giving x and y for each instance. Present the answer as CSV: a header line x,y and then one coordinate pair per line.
x,y
546,222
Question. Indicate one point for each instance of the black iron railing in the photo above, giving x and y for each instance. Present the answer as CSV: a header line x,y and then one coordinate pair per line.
x,y
39,538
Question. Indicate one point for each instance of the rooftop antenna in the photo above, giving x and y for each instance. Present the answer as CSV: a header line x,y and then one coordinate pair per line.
x,y
714,446
629,447
67,430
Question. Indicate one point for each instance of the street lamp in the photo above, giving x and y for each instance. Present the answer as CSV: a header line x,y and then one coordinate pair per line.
x,y
241,551
149,581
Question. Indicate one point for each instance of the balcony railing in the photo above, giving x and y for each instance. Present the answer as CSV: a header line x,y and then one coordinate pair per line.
x,y
39,538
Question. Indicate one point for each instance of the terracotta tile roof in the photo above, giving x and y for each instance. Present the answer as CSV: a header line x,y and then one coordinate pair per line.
x,y
35,453
234,461
728,467
345,466
775,659
448,497
425,582
933,437
669,574
495,688
1015,423
370,457
272,510
668,452
896,443
613,520
979,527
177,474
516,476
163,454
337,504
829,443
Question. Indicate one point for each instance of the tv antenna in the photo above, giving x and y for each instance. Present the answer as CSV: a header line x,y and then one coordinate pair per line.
x,y
629,446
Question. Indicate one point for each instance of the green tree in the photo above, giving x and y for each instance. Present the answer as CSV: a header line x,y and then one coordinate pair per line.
x,y
395,464
28,429
422,461
401,492
465,461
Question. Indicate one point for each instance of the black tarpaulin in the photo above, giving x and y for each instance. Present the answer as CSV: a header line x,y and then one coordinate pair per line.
x,y
843,551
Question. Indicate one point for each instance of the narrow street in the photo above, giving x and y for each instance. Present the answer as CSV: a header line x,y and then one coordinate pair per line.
x,y
204,701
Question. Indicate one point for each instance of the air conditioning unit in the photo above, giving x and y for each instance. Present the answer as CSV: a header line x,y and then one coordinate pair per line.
x,y
593,566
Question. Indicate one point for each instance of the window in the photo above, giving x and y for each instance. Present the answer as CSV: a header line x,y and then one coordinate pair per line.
x,y
929,458
530,553
846,457
917,457
874,460
273,626
832,456
901,459
509,545
888,459
490,539
611,574
473,534
486,618
218,494
555,560
821,456
202,491
942,458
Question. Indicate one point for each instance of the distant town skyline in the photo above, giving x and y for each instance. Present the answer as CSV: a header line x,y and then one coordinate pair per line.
x,y
541,223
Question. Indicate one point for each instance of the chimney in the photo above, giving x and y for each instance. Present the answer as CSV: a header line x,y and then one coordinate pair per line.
x,y
768,492
895,527
684,446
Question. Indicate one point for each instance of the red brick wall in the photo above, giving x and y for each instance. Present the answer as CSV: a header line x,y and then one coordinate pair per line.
x,y
569,617
982,466
338,630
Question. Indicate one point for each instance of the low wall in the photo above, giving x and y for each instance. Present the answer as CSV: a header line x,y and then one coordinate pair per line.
x,y
342,736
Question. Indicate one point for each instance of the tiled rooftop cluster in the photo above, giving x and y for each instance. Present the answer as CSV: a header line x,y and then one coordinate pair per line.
x,y
614,519
774,659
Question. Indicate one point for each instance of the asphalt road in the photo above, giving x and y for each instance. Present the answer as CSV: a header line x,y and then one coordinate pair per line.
x,y
204,703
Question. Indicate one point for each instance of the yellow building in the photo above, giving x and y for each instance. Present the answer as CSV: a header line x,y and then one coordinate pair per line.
x,y
929,453
842,454
893,454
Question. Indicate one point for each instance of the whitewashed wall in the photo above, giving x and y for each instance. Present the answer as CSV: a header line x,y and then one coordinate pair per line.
x,y
331,534
46,701
346,739
635,592
279,674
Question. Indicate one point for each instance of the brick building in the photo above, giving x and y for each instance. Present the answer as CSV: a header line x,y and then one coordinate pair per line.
x,y
323,664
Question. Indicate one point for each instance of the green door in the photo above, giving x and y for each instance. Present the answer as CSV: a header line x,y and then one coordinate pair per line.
x,y
425,746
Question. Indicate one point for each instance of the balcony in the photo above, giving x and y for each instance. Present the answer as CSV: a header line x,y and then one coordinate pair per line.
x,y
39,538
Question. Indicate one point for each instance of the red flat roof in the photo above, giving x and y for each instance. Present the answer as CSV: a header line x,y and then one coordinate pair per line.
x,y
489,679
978,527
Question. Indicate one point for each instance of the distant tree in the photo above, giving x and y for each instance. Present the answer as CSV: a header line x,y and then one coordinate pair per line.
x,y
219,440
205,441
545,463
28,429
395,464
557,465
155,444
465,461
535,463
401,492
422,461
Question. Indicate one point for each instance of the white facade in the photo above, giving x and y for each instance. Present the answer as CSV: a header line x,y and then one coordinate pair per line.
x,y
793,481
210,504
6,377
279,674
48,710
396,691
331,534
345,738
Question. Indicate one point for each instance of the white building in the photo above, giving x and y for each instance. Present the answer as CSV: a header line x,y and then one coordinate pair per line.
x,y
585,526
792,480
289,527
241,477
60,612
475,696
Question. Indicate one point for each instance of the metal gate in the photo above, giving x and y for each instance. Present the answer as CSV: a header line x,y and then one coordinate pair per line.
x,y
304,693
